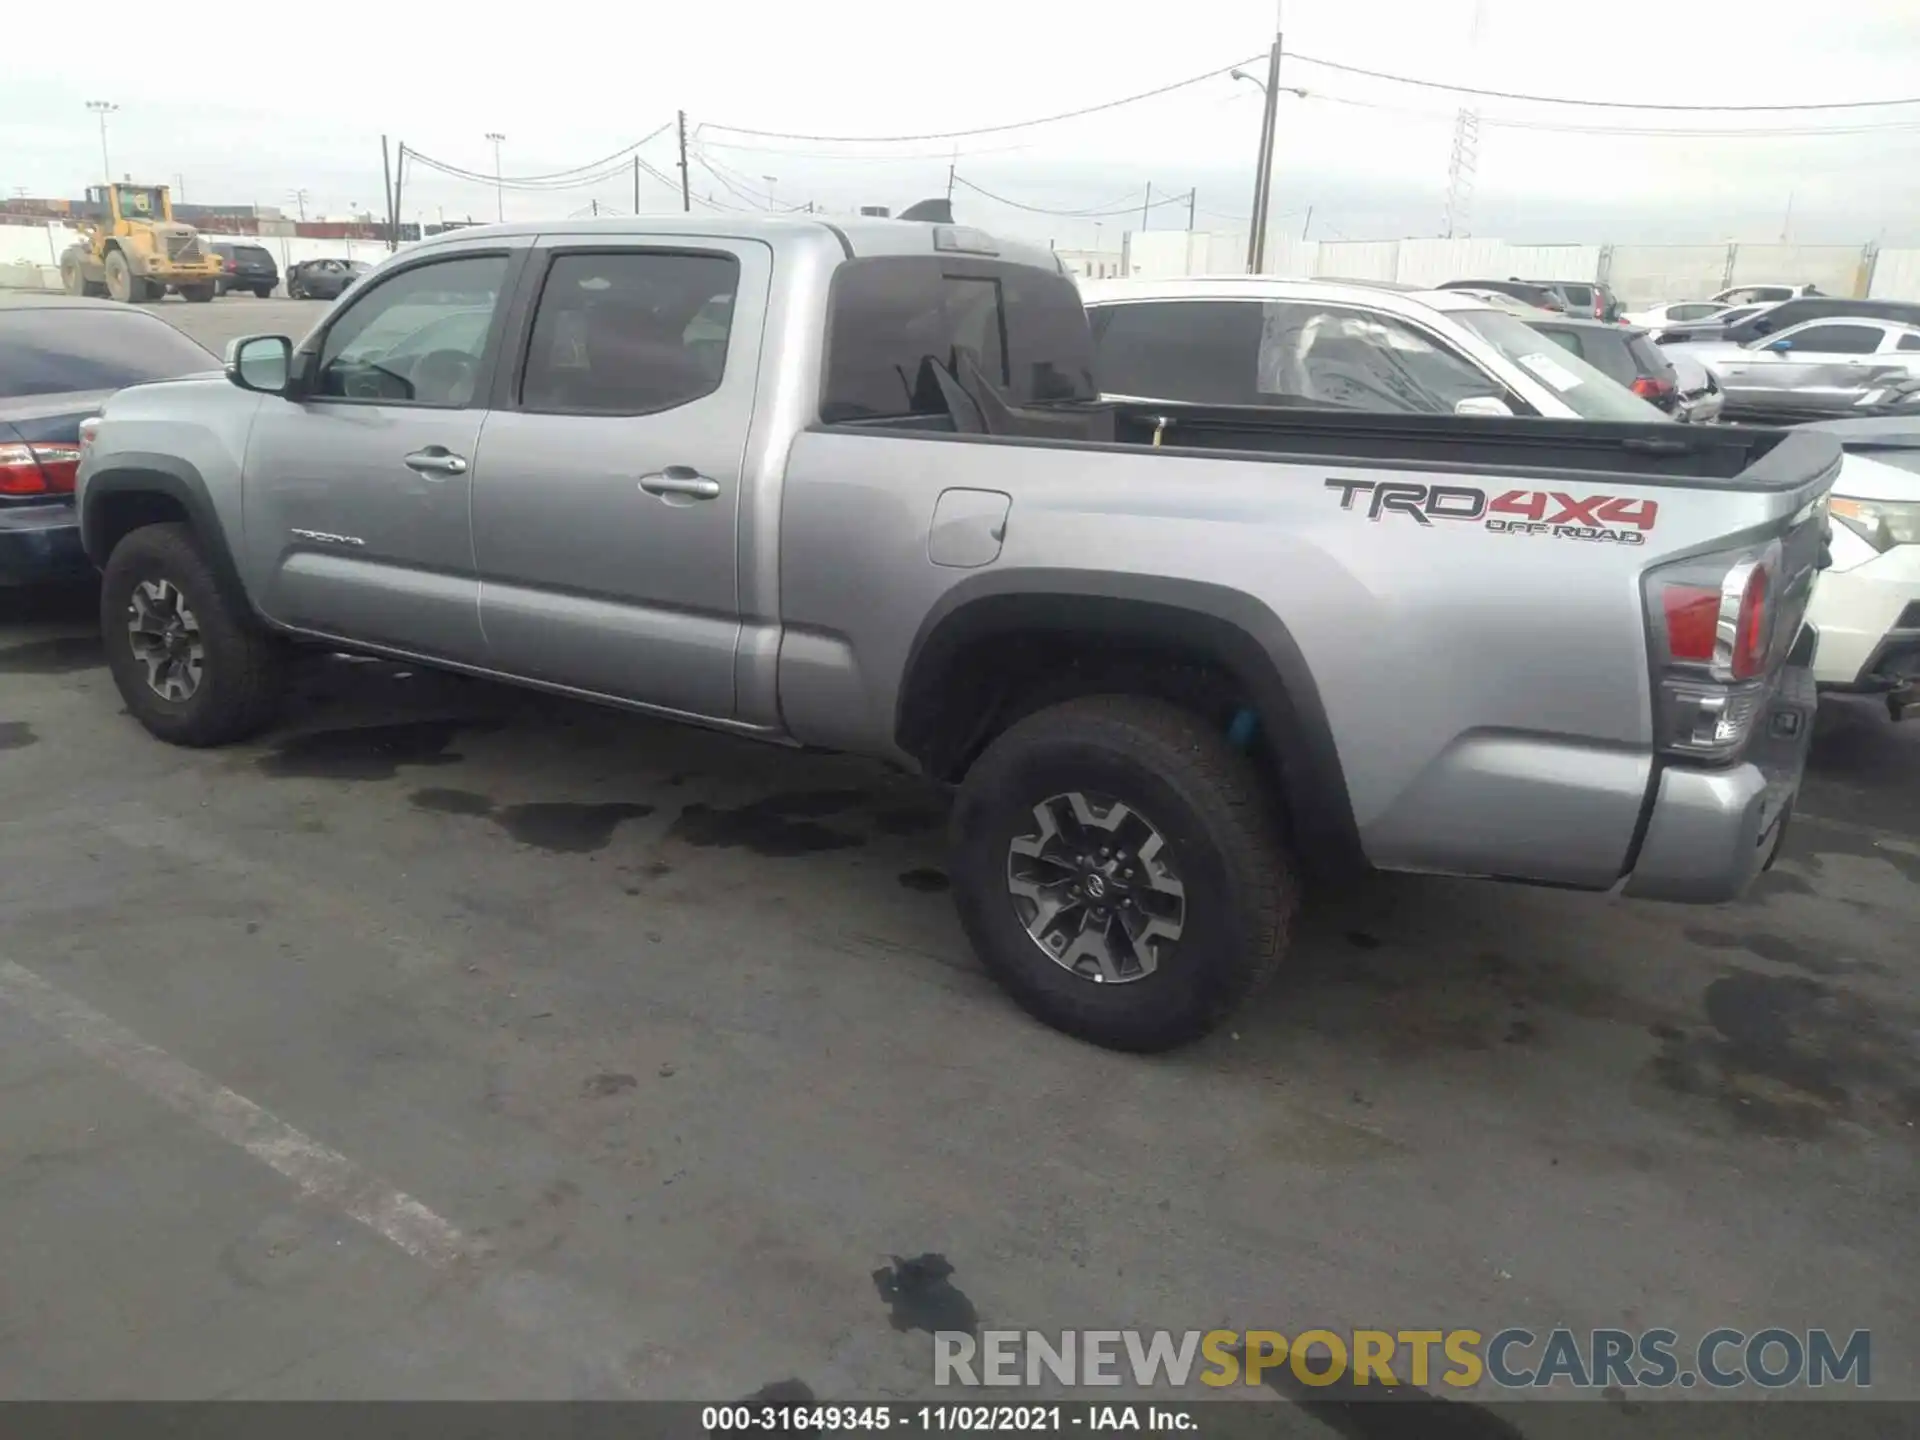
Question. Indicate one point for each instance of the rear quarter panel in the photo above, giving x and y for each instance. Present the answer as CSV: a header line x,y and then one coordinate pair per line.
x,y
1488,692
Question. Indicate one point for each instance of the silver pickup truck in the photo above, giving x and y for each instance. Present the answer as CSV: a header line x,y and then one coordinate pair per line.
x,y
850,486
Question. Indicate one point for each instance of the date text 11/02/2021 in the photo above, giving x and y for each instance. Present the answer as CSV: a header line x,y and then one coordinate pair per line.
x,y
950,1416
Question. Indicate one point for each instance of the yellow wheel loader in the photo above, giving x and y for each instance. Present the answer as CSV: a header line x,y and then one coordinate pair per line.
x,y
134,250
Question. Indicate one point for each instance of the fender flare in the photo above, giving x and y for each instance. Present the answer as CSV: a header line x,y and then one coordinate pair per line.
x,y
133,472
1232,628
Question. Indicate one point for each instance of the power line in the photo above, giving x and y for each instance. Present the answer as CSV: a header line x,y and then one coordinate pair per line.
x,y
983,129
461,172
1571,127
1591,104
1127,208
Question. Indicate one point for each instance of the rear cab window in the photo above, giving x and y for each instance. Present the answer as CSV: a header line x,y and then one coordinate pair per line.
x,y
1021,328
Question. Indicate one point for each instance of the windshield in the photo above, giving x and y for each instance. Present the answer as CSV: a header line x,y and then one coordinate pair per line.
x,y
1583,389
140,202
60,351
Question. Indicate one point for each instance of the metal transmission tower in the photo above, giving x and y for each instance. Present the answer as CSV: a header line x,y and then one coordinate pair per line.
x,y
1461,169
1463,164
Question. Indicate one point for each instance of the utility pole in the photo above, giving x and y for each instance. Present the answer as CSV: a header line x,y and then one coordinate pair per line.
x,y
636,184
399,181
386,191
1308,225
1263,168
499,186
1193,199
299,198
686,198
1146,205
596,209
103,108
179,187
950,165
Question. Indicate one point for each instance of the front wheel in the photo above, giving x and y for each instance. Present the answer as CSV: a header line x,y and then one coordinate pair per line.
x,y
1118,869
193,667
122,284
262,291
199,294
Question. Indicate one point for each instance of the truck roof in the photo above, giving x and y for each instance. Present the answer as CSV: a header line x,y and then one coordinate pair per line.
x,y
1381,294
857,235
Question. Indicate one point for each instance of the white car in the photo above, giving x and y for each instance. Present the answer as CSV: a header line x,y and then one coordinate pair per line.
x,y
1350,345
1866,605
1674,312
1765,294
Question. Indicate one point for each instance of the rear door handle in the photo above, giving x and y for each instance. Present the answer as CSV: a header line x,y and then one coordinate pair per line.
x,y
436,460
680,480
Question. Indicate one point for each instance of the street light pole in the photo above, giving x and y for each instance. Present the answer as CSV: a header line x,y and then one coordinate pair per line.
x,y
1272,89
103,108
499,188
772,180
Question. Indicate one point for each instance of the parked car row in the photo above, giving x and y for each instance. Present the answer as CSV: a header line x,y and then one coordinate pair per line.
x,y
1138,573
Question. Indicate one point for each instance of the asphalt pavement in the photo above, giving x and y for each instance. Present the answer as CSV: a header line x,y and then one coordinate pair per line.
x,y
455,1041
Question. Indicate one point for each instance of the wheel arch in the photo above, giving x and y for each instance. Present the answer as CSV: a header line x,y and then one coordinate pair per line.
x,y
136,489
956,692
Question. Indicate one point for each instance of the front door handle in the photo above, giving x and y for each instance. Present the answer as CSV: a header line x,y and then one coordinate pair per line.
x,y
680,480
436,460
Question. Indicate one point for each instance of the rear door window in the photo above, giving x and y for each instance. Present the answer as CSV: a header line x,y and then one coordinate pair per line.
x,y
633,332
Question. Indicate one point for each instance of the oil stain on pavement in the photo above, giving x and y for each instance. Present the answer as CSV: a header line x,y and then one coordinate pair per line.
x,y
1790,1057
560,827
366,752
778,826
62,655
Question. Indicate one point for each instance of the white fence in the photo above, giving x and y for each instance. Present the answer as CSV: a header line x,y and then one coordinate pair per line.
x,y
30,254
1639,274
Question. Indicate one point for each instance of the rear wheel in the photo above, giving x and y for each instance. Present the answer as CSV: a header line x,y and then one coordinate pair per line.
x,y
263,291
1118,869
193,667
73,279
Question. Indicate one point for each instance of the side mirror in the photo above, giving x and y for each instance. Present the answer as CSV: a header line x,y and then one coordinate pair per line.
x,y
260,362
1781,346
1482,405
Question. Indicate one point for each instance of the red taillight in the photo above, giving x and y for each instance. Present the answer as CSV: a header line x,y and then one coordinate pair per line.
x,y
1724,628
1693,622
1649,388
1599,308
38,469
233,265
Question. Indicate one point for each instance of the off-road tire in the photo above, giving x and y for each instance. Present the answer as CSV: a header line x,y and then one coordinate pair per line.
x,y
122,284
1222,837
199,294
243,665
73,279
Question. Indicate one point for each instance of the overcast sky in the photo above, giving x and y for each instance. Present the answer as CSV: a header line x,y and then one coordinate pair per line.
x,y
249,110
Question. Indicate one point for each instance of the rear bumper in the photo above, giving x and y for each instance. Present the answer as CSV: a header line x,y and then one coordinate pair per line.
x,y
1712,832
40,543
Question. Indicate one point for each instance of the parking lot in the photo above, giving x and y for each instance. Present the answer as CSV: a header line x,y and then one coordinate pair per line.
x,y
458,1042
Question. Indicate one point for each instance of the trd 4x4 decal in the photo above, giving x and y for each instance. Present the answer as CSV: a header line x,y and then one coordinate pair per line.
x,y
1612,519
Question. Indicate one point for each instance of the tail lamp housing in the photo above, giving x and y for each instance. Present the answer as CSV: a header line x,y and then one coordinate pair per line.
x,y
1712,624
38,468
